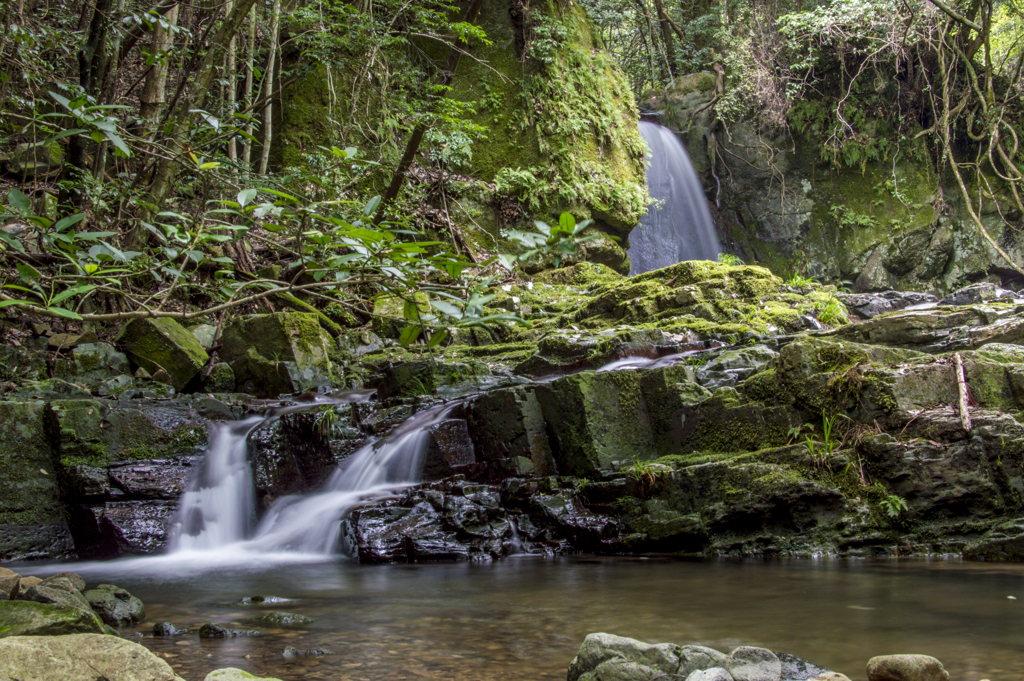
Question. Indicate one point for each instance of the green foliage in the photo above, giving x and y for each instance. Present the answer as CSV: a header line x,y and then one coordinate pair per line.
x,y
800,282
729,259
893,505
820,452
556,242
644,473
828,309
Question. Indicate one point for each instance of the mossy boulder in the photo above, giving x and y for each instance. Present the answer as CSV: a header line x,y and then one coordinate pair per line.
x,y
278,353
92,364
164,344
19,364
28,618
601,420
32,523
30,159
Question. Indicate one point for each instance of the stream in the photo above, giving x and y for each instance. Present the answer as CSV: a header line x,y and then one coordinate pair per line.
x,y
525,617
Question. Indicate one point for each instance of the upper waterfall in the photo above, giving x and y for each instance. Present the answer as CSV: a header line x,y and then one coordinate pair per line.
x,y
678,226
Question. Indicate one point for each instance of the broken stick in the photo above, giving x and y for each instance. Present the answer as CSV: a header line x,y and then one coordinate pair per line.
x,y
961,384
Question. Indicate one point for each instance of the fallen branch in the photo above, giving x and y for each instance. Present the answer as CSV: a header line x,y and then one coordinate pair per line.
x,y
961,384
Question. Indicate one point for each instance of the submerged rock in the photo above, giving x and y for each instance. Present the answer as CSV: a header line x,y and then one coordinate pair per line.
x,y
220,631
167,629
27,618
81,657
282,619
906,668
292,652
262,600
116,606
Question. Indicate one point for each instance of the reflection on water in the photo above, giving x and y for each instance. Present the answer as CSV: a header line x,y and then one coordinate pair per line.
x,y
525,618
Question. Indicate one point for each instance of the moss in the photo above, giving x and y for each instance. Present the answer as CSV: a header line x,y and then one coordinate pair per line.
x,y
561,122
585,274
156,344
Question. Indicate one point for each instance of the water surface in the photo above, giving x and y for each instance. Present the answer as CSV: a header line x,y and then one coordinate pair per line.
x,y
524,618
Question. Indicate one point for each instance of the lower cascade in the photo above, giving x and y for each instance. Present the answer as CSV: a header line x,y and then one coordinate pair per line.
x,y
679,226
217,511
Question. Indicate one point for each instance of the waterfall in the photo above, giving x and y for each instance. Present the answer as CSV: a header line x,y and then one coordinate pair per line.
x,y
217,510
312,524
678,227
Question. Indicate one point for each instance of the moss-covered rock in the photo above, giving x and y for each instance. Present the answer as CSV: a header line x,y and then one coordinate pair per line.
x,y
27,618
32,521
164,344
92,364
278,353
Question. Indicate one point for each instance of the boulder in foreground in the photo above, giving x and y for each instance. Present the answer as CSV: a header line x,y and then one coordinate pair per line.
x,y
80,657
234,674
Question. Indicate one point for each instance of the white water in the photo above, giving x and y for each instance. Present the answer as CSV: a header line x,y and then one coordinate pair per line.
x,y
679,227
213,524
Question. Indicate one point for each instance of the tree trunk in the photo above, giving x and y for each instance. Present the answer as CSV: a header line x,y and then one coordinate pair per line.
x,y
268,93
92,59
420,130
666,35
249,68
153,90
231,76
195,98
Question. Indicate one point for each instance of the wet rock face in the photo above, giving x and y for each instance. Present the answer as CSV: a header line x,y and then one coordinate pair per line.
x,y
448,451
868,305
122,465
288,456
458,520
32,523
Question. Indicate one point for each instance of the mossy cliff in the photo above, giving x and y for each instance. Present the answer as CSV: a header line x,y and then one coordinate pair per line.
x,y
876,224
559,123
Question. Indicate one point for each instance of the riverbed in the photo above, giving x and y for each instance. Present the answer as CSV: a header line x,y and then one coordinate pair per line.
x,y
525,617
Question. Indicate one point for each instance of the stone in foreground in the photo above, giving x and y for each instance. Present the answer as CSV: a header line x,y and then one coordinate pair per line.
x,y
233,674
80,657
906,668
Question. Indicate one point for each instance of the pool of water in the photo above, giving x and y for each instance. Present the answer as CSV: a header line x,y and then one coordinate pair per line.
x,y
525,617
